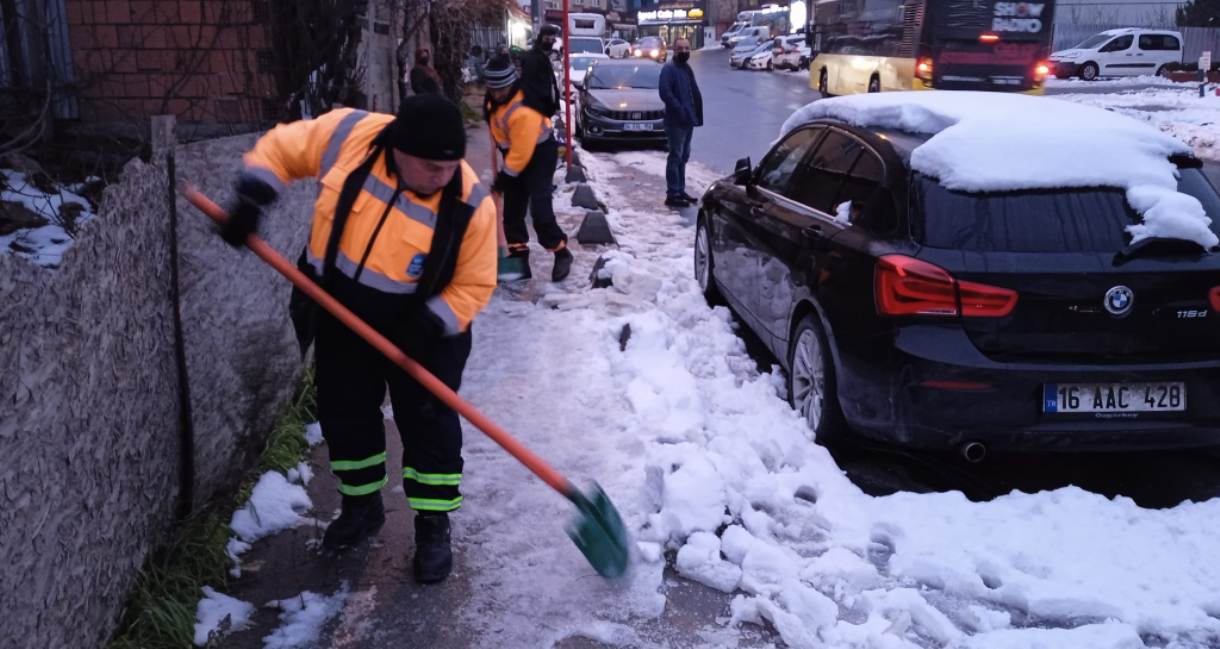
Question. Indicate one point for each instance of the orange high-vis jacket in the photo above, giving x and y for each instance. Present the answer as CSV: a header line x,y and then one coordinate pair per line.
x,y
517,130
330,148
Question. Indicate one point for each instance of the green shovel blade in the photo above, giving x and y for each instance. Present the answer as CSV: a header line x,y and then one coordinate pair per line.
x,y
599,532
510,268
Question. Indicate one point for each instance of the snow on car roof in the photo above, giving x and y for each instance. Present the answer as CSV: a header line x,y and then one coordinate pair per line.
x,y
989,142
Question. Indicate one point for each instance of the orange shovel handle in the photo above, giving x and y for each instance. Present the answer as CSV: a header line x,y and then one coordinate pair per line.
x,y
539,466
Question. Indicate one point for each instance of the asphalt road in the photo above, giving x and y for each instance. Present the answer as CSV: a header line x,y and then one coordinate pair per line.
x,y
743,112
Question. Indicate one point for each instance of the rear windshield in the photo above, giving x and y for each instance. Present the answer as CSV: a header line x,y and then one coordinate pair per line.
x,y
1061,220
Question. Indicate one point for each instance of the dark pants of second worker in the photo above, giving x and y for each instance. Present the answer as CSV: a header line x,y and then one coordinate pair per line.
x,y
533,190
679,154
352,379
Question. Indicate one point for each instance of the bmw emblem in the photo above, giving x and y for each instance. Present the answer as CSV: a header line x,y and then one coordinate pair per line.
x,y
1118,301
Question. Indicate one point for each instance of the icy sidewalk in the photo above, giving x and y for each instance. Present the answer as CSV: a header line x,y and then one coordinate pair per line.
x,y
718,480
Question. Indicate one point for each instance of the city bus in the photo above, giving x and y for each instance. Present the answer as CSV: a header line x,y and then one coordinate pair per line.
x,y
876,45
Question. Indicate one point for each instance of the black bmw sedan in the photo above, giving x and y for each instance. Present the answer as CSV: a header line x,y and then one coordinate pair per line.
x,y
919,316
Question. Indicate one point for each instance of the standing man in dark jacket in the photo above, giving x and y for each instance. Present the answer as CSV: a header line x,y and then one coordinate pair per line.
x,y
538,76
683,112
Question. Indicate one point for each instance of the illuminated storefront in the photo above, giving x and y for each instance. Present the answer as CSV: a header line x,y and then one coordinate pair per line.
x,y
674,20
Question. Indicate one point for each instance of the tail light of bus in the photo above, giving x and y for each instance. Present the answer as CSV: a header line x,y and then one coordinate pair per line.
x,y
989,38
906,286
1042,70
923,69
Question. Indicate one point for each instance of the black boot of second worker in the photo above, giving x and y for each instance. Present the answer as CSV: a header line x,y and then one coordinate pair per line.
x,y
563,265
433,556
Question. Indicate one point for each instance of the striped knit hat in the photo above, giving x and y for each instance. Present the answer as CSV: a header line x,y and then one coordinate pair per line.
x,y
500,73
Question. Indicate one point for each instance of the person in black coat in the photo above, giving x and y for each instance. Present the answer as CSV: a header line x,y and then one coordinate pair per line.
x,y
538,76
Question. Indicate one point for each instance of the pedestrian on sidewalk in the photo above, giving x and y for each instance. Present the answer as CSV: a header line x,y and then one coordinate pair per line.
x,y
538,75
526,138
683,112
412,251
424,77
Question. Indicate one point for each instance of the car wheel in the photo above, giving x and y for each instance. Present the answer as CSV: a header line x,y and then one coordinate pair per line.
x,y
874,85
823,83
1089,71
703,265
769,66
811,380
1164,72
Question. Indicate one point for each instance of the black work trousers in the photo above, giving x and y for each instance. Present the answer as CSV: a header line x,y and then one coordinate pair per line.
x,y
351,381
533,190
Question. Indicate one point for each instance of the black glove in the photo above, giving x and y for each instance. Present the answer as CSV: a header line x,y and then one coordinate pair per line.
x,y
244,216
503,182
251,195
419,327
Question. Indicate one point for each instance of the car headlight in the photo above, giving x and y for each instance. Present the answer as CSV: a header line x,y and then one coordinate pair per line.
x,y
596,110
655,53
639,52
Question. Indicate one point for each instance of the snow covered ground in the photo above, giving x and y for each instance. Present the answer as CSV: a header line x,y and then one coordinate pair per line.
x,y
1176,109
44,245
717,476
719,480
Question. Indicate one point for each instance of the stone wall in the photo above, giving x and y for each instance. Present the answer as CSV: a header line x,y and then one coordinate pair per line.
x,y
89,393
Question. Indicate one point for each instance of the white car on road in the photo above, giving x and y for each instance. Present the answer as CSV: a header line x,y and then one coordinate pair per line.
x,y
791,53
1120,53
617,48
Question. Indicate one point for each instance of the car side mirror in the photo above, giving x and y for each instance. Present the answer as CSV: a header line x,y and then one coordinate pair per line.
x,y
743,172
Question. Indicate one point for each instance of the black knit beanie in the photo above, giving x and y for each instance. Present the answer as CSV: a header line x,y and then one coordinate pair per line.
x,y
431,127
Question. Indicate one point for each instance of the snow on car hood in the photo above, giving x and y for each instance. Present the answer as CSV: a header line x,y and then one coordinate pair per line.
x,y
988,142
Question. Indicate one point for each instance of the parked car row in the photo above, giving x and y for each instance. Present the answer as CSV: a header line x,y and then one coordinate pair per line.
x,y
783,52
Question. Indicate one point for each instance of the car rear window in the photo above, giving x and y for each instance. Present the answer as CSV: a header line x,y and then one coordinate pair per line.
x,y
1061,220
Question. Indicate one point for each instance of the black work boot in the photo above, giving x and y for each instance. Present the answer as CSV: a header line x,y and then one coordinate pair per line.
x,y
563,265
361,517
433,558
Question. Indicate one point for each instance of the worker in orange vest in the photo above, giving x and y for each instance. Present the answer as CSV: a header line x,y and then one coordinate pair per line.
x,y
527,140
404,235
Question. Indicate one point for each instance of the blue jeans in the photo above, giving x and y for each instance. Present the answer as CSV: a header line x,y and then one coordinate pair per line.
x,y
679,154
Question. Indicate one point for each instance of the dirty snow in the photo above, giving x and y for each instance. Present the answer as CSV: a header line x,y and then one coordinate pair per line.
x,y
45,245
303,618
995,142
1179,112
217,610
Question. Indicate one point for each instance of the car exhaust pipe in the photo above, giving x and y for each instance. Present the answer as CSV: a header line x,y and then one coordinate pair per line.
x,y
973,452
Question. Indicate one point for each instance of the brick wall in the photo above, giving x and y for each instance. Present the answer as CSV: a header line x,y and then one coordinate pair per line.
x,y
201,60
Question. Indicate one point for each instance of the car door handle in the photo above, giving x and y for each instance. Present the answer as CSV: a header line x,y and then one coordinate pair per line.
x,y
811,232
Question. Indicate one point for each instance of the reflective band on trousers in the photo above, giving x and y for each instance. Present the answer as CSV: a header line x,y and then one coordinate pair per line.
x,y
352,465
338,138
362,490
434,479
433,505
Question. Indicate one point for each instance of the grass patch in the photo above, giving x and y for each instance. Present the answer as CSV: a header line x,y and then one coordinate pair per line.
x,y
160,611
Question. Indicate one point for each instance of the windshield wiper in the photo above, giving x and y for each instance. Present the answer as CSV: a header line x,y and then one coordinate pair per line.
x,y
1159,247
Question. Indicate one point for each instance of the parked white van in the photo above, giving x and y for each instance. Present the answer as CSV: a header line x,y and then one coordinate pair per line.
x,y
1120,53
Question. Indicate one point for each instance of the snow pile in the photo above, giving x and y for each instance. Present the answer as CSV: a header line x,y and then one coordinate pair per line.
x,y
60,212
1179,112
275,504
1119,82
983,142
744,501
218,615
313,434
303,618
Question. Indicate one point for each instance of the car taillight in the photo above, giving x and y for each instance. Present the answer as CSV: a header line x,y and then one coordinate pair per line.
x,y
989,38
907,286
1214,295
923,69
1042,70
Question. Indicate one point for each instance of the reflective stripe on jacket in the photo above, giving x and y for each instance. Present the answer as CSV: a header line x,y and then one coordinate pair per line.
x,y
330,148
518,129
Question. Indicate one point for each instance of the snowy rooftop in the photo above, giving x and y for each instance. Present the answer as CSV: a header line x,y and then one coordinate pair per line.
x,y
1000,142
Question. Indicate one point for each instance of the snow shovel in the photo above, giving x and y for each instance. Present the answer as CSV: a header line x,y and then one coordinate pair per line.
x,y
597,530
508,268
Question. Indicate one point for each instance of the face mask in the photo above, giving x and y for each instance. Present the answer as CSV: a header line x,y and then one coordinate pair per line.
x,y
682,57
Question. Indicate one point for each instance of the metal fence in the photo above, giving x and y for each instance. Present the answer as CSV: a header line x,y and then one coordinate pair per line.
x,y
1195,40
